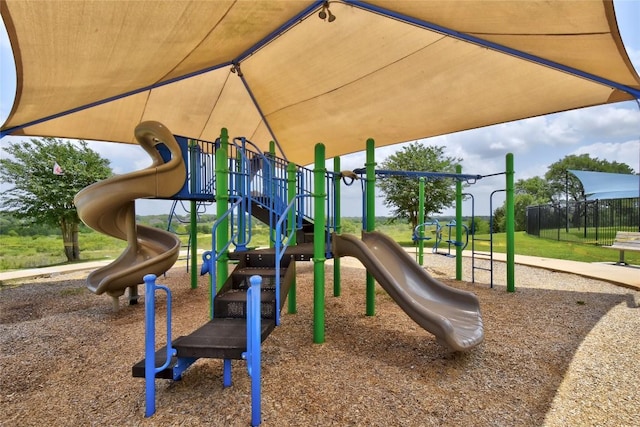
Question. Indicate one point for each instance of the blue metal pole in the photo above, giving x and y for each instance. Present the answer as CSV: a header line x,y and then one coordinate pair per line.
x,y
226,373
253,354
149,345
150,369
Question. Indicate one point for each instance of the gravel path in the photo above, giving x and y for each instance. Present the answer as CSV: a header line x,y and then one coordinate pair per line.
x,y
560,351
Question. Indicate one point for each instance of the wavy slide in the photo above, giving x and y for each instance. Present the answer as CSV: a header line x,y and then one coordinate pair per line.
x,y
109,207
452,315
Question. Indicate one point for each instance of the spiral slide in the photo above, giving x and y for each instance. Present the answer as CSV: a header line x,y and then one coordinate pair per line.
x,y
109,207
452,315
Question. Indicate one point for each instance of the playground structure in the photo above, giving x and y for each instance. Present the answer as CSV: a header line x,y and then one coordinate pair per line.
x,y
457,233
432,230
109,207
302,209
246,92
420,234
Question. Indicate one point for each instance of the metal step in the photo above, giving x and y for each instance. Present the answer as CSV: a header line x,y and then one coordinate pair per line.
x,y
220,339
233,303
267,257
138,370
216,339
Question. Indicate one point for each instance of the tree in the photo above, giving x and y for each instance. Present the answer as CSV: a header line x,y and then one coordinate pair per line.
x,y
537,188
532,191
566,186
499,220
402,193
556,185
46,174
562,183
520,204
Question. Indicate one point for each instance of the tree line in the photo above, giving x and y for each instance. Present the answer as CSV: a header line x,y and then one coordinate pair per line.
x,y
47,173
557,185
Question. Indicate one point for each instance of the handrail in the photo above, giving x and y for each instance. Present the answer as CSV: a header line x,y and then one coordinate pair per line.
x,y
416,231
150,369
269,189
281,247
244,141
454,242
419,237
209,260
253,354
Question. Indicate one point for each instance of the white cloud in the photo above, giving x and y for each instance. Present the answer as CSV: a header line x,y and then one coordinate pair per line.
x,y
624,152
606,121
123,157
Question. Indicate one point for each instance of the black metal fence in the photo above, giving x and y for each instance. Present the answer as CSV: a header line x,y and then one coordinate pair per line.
x,y
595,222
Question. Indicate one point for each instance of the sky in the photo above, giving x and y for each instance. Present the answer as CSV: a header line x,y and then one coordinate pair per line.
x,y
610,132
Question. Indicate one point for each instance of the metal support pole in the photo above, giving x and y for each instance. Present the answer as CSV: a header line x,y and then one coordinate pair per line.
x,y
371,220
420,235
193,243
193,217
319,244
271,173
291,195
222,202
458,225
510,214
338,227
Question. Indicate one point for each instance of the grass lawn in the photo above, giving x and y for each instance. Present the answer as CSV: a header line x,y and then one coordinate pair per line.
x,y
530,245
40,251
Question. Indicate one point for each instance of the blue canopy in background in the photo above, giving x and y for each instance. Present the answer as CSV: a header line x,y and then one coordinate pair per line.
x,y
605,185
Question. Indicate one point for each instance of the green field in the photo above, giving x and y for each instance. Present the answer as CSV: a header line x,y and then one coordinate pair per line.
x,y
19,252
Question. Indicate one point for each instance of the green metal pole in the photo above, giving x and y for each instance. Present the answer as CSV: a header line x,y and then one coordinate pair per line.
x,y
222,202
193,217
371,220
272,148
193,239
336,196
271,156
291,220
458,225
318,244
510,214
421,221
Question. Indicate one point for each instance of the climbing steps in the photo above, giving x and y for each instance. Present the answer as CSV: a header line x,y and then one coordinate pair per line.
x,y
225,335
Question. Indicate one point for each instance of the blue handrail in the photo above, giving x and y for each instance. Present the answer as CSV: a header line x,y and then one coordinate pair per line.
x,y
253,354
416,231
281,247
455,242
209,258
150,369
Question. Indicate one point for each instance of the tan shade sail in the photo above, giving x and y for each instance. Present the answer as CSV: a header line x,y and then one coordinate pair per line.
x,y
274,70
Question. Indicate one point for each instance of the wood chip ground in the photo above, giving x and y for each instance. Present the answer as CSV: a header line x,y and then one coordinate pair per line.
x,y
560,351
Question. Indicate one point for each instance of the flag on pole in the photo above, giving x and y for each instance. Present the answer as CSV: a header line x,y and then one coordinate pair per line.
x,y
57,170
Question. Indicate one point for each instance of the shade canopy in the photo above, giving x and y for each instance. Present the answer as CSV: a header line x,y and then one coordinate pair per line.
x,y
605,185
275,70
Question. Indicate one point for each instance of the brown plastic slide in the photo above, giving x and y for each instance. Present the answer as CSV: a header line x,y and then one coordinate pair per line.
x,y
109,207
452,315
